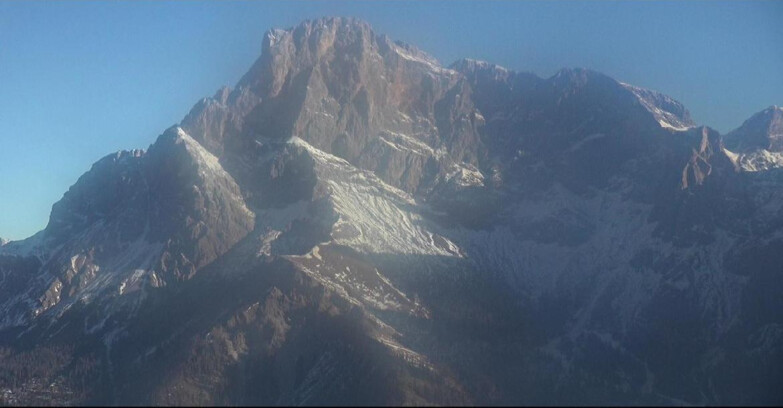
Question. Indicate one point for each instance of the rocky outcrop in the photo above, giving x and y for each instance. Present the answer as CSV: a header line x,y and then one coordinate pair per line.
x,y
669,113
764,130
138,219
757,145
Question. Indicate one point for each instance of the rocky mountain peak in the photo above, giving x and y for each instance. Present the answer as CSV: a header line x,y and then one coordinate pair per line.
x,y
764,130
383,105
669,113
286,53
467,65
475,69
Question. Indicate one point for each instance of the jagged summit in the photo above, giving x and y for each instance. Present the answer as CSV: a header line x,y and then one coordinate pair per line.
x,y
763,130
469,65
285,53
757,145
670,113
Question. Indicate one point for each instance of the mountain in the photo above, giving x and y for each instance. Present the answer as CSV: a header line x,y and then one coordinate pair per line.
x,y
354,223
758,143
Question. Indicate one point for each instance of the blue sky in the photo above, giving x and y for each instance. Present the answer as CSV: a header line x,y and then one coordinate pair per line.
x,y
79,80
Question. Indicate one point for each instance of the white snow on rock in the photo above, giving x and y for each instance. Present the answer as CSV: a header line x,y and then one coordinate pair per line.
x,y
535,268
33,246
208,162
403,142
374,217
759,160
126,271
423,59
667,120
485,65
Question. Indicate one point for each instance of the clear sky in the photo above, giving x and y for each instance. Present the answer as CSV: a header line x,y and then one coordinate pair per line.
x,y
79,80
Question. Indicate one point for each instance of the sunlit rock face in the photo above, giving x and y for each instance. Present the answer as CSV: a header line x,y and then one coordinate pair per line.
x,y
757,145
763,130
354,223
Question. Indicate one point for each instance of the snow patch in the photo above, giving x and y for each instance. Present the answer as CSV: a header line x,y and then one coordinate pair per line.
x,y
421,58
665,119
759,160
374,217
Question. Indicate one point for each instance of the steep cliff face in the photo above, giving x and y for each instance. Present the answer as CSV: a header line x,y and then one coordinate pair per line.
x,y
763,130
383,106
354,223
135,220
757,145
